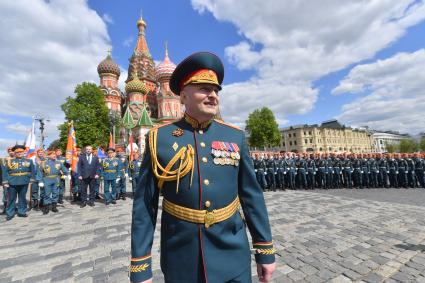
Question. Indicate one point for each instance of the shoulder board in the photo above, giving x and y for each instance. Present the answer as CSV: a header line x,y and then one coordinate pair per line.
x,y
228,125
162,125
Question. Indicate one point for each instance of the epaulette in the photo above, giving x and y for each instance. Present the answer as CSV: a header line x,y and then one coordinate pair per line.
x,y
162,125
227,124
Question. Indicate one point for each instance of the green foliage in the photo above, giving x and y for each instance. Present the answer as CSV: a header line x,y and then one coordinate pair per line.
x,y
263,128
408,145
90,116
54,144
391,148
422,144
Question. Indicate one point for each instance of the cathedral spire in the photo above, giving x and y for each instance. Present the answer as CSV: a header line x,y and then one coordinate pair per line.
x,y
141,45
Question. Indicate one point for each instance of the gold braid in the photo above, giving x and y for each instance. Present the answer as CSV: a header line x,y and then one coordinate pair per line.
x,y
185,156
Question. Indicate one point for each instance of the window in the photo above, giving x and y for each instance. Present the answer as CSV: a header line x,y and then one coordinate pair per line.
x,y
311,140
309,132
295,142
306,141
289,135
290,142
295,135
283,144
305,133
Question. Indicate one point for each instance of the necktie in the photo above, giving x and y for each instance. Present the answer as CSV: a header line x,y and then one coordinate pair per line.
x,y
89,159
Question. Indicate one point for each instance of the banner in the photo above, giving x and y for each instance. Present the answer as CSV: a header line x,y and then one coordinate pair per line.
x,y
30,143
71,148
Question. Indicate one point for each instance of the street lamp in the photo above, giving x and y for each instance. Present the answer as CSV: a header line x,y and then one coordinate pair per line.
x,y
42,121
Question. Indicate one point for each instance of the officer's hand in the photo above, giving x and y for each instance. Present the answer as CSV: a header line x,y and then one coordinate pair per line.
x,y
6,186
130,179
68,177
96,176
41,184
265,271
80,178
126,175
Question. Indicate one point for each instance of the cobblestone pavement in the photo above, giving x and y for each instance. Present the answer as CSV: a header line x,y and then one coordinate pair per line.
x,y
331,236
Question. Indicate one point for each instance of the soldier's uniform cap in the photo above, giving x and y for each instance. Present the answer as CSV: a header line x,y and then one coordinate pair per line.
x,y
120,150
198,68
110,150
52,151
18,148
40,150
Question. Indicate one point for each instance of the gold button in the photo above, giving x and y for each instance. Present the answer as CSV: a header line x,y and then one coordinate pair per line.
x,y
204,159
206,182
207,204
202,144
201,132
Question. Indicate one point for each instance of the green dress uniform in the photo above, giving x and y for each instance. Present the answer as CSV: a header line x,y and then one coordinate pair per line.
x,y
205,173
111,173
50,175
122,187
135,166
17,173
62,160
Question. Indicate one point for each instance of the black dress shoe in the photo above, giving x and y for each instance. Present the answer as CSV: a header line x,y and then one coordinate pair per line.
x,y
54,208
23,215
8,218
97,196
83,204
91,204
113,202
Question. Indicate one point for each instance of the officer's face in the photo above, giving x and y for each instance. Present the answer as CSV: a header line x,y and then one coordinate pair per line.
x,y
111,154
52,156
19,154
58,152
89,149
11,153
201,100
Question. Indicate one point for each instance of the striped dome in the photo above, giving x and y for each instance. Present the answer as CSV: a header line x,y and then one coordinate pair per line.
x,y
165,68
108,66
136,85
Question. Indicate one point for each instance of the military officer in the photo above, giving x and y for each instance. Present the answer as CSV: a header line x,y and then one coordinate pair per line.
x,y
122,188
411,171
260,171
271,172
49,175
135,166
374,172
383,170
203,168
347,172
11,154
36,191
17,174
111,173
311,172
292,173
75,182
62,160
392,171
364,163
419,167
402,170
337,169
301,168
321,165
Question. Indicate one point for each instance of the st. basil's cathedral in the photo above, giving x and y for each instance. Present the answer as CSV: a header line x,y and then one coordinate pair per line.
x,y
147,99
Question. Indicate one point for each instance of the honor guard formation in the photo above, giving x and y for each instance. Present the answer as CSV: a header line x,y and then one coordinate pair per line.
x,y
45,176
281,171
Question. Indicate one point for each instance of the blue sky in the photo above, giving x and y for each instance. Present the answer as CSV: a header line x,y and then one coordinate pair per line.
x,y
356,61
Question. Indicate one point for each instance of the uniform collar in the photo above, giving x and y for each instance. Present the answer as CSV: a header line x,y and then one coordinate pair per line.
x,y
194,123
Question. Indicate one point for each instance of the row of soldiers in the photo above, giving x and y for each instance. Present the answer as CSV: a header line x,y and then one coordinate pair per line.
x,y
335,171
45,178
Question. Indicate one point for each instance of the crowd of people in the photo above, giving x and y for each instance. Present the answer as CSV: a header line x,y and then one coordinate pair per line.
x,y
45,178
283,171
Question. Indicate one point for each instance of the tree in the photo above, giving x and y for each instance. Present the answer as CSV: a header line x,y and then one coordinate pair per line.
x,y
408,145
54,144
422,144
263,128
90,116
391,148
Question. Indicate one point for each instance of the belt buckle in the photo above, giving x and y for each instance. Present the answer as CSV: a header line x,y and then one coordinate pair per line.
x,y
209,218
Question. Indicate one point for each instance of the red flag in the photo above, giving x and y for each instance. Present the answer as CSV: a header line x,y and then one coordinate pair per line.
x,y
130,141
111,141
71,148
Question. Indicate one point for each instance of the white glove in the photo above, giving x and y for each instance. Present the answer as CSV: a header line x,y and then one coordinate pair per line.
x,y
68,177
361,172
41,184
130,179
117,180
396,172
126,175
255,170
407,172
388,172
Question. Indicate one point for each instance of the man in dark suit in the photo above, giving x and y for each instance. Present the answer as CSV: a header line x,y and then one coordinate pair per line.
x,y
88,171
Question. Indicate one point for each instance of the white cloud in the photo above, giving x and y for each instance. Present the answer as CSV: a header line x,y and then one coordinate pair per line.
x,y
107,18
46,49
128,42
290,44
393,93
4,144
19,128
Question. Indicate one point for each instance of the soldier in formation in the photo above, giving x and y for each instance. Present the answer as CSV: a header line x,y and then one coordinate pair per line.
x,y
335,171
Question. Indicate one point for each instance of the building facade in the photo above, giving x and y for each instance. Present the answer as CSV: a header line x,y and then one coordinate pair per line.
x,y
147,99
382,139
329,137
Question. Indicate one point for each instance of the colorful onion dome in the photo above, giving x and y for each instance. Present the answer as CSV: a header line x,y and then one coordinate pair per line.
x,y
108,66
165,68
136,85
